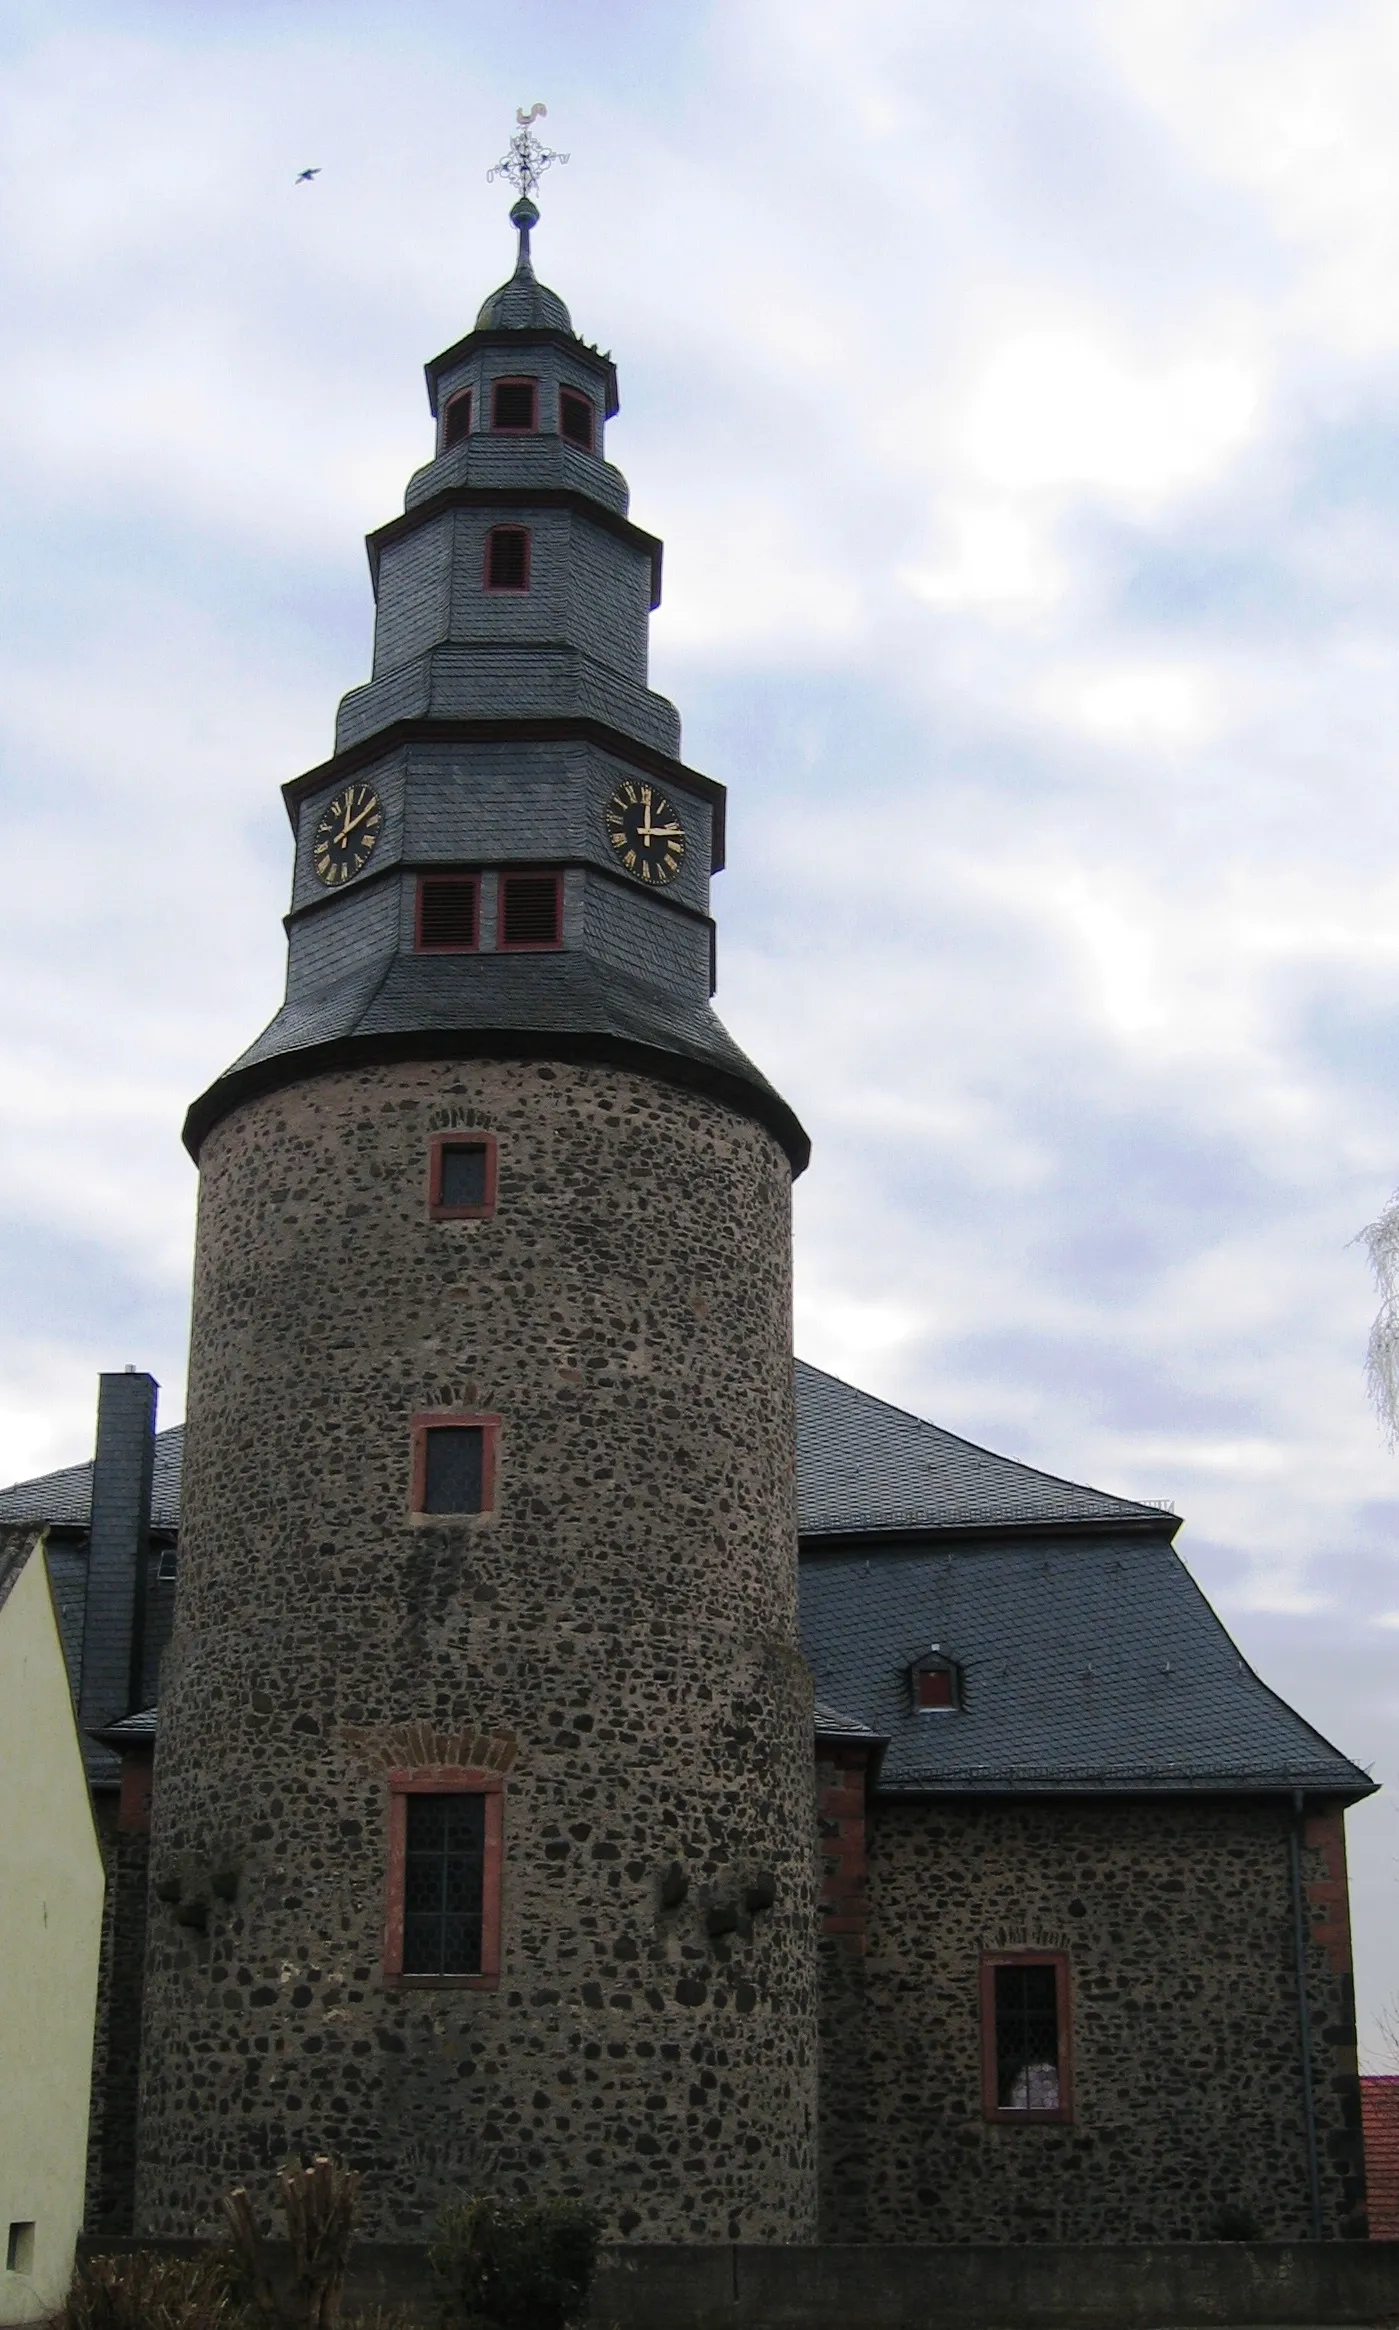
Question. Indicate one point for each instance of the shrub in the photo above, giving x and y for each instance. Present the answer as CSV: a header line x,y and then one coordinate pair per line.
x,y
515,2265
143,2290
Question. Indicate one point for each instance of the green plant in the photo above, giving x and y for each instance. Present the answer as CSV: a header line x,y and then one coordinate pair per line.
x,y
144,2290
514,2265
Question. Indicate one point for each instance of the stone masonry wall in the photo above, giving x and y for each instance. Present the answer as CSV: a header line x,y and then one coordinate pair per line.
x,y
1177,1920
618,1638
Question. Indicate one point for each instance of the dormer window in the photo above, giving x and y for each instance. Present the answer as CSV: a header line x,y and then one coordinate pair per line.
x,y
515,404
576,418
936,1682
507,558
456,419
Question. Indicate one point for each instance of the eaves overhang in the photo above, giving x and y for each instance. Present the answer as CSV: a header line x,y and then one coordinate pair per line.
x,y
1283,1787
565,728
280,1069
527,497
905,1532
530,336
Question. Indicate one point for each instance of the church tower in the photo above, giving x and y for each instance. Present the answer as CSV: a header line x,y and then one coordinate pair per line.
x,y
483,1831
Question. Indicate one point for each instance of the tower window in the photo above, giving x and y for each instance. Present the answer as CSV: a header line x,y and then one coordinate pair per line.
x,y
456,419
462,1176
448,917
507,558
452,1464
1025,2057
936,1682
576,418
443,1909
530,910
515,404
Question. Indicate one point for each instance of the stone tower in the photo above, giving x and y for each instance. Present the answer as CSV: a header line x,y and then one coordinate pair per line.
x,y
483,1831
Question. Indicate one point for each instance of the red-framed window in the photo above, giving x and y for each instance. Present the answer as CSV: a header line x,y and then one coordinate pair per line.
x,y
454,1465
936,1683
515,404
576,418
530,911
456,419
445,1855
447,919
507,562
1026,2037
461,1178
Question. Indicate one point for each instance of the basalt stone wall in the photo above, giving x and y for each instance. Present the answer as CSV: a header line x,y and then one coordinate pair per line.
x,y
116,2056
1178,1925
617,1638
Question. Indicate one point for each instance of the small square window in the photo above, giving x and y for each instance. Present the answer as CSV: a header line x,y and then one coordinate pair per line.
x,y
462,1176
576,418
19,2247
507,558
530,910
514,404
456,419
937,1684
442,1922
453,1464
167,1569
1025,2055
448,917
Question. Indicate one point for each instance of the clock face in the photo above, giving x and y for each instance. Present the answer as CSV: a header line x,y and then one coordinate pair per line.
x,y
646,835
344,840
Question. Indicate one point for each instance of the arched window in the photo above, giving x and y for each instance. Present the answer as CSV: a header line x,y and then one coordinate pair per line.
x,y
507,558
936,1682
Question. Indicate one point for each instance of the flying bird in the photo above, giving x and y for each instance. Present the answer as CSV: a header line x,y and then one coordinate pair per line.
x,y
303,177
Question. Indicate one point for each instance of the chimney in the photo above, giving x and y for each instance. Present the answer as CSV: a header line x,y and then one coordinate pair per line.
x,y
118,1540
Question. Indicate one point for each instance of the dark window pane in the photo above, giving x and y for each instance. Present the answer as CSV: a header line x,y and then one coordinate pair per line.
x,y
507,561
447,912
443,1884
512,404
456,420
1027,2038
935,1687
576,419
463,1174
529,910
452,1468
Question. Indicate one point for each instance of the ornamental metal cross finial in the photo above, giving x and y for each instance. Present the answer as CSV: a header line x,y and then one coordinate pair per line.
x,y
525,160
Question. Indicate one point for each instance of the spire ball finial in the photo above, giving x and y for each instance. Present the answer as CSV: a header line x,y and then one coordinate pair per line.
x,y
525,159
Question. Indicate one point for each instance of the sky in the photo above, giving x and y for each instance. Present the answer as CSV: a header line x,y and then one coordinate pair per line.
x,y
1016,389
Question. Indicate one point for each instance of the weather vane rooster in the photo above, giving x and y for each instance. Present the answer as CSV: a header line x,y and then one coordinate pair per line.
x,y
526,160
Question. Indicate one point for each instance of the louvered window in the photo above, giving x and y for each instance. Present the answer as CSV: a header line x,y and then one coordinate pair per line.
x,y
576,418
514,404
529,910
448,913
456,419
507,558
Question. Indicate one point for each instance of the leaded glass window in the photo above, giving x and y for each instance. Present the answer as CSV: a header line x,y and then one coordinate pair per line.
x,y
443,1883
1027,2038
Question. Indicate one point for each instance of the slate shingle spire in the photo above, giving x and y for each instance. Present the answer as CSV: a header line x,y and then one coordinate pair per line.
x,y
507,712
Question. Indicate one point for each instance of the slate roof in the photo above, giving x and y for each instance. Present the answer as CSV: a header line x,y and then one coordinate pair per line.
x,y
862,1465
425,1005
1089,1663
63,1499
